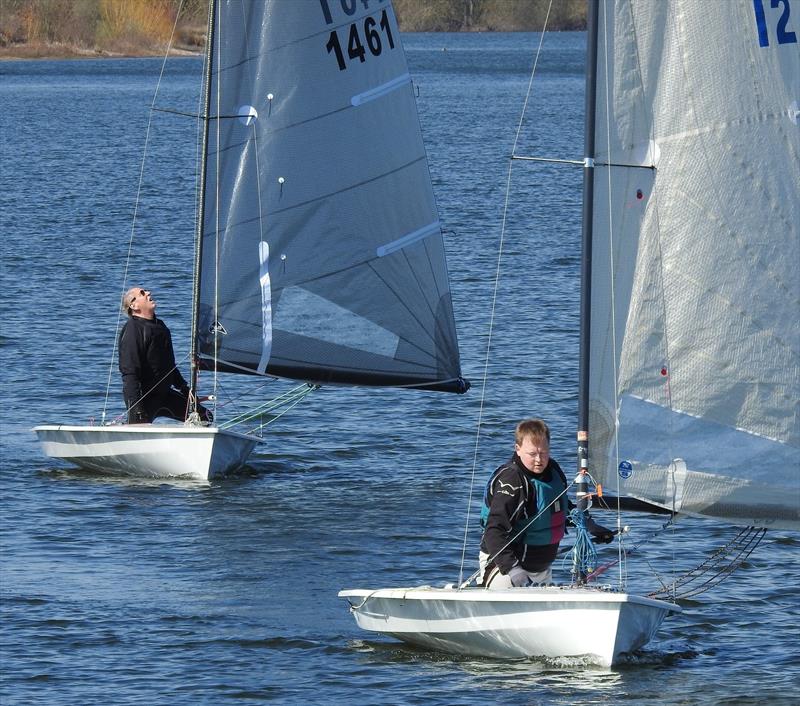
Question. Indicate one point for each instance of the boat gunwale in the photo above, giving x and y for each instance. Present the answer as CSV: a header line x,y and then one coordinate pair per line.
x,y
534,594
145,429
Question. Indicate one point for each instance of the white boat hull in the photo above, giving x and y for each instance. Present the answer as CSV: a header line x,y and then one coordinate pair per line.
x,y
513,623
149,450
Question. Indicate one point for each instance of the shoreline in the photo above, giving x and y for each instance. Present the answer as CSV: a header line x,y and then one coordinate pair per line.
x,y
58,52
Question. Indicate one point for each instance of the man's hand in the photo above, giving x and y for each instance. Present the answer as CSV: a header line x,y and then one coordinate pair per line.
x,y
602,535
519,577
138,417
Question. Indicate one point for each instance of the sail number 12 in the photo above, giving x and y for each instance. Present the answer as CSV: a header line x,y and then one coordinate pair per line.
x,y
374,35
782,32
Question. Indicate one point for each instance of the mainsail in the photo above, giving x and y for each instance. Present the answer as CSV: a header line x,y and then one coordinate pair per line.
x,y
695,336
322,256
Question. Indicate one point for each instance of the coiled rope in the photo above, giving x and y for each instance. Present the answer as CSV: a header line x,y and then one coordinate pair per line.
x,y
583,554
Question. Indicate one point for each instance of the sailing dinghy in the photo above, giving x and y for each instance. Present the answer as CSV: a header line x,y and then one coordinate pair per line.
x,y
319,252
690,360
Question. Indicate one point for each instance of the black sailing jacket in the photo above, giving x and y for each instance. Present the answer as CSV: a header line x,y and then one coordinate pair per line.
x,y
515,501
147,360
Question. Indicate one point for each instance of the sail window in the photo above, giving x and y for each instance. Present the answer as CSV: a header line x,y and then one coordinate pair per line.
x,y
302,312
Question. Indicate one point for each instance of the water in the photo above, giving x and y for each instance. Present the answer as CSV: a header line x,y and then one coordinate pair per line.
x,y
125,592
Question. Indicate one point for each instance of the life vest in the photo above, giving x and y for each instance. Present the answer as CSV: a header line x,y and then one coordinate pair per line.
x,y
550,525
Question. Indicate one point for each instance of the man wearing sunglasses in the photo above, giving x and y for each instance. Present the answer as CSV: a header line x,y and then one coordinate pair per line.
x,y
152,385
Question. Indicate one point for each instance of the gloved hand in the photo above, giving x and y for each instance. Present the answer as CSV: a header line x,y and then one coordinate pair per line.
x,y
137,416
519,577
602,535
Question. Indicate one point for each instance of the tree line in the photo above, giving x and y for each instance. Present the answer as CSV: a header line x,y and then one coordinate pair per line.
x,y
145,26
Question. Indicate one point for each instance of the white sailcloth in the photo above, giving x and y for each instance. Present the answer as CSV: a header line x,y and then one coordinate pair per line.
x,y
315,156
695,357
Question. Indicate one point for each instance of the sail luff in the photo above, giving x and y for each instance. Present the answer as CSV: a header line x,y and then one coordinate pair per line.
x,y
587,227
193,356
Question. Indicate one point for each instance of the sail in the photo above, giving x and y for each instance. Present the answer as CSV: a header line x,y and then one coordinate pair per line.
x,y
322,257
695,333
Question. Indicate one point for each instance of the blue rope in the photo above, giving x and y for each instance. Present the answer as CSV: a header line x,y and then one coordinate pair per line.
x,y
583,554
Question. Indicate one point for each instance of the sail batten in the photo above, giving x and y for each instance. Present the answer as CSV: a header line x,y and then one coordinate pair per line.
x,y
695,361
325,170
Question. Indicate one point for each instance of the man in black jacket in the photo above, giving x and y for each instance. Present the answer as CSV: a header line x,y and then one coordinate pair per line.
x,y
152,385
516,549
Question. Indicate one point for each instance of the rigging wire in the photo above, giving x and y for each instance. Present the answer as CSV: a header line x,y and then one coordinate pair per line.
x,y
601,569
613,303
217,200
199,182
272,410
494,296
136,208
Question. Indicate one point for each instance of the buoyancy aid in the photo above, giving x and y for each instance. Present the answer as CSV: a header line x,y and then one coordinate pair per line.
x,y
551,523
549,526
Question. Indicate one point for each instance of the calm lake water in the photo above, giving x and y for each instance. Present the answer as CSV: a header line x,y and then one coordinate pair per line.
x,y
121,592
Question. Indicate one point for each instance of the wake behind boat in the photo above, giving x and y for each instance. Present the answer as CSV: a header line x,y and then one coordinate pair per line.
x,y
319,254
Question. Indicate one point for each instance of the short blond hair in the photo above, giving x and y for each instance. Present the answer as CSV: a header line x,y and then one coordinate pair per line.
x,y
536,429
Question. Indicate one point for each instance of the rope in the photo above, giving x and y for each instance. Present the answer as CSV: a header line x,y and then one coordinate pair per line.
x,y
462,583
284,402
633,550
234,399
741,547
584,555
136,212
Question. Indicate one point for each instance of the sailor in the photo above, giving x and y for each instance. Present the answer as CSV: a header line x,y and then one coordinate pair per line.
x,y
152,385
517,550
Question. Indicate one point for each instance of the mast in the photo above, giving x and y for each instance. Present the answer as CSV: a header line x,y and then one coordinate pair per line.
x,y
210,35
586,253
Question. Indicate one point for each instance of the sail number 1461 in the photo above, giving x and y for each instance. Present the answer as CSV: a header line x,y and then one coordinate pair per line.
x,y
375,34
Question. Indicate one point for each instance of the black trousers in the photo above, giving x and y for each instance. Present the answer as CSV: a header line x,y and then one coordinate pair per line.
x,y
172,404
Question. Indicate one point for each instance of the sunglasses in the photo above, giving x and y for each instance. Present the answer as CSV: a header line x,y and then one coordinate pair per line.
x,y
142,292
